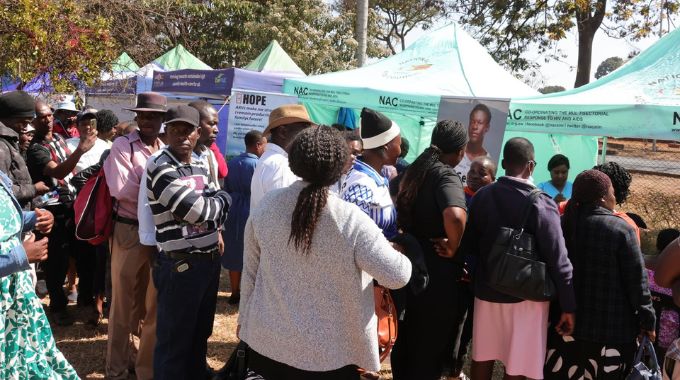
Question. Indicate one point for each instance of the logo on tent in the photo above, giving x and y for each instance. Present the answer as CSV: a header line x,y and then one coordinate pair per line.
x,y
407,68
220,78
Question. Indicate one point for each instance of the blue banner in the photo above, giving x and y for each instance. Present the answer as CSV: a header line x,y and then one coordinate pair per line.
x,y
209,82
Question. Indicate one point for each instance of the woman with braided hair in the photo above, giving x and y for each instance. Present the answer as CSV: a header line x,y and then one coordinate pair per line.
x,y
307,309
431,207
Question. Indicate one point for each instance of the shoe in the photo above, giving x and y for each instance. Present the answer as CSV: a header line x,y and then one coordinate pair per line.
x,y
96,318
234,299
63,318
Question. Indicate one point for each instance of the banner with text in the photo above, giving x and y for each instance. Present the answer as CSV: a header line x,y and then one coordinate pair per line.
x,y
485,119
250,110
199,82
641,120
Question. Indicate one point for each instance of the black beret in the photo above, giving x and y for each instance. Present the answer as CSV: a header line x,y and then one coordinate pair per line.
x,y
17,104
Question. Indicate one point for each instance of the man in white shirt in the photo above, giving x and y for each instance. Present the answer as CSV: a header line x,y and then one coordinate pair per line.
x,y
85,119
272,170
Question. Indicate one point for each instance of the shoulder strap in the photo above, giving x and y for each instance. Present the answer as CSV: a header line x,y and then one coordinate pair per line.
x,y
531,199
213,176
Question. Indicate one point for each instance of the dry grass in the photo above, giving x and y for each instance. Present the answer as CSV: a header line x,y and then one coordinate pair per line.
x,y
665,150
85,346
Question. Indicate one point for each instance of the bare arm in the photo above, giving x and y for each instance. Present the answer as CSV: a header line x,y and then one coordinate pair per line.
x,y
454,226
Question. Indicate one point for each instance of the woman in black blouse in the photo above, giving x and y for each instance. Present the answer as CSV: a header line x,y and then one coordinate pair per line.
x,y
431,207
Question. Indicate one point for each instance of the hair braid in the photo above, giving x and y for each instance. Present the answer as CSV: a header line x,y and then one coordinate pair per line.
x,y
620,178
317,155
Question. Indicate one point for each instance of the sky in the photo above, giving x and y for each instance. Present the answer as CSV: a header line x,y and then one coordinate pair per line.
x,y
563,73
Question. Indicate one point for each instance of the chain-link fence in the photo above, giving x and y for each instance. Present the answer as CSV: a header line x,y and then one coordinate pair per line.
x,y
655,190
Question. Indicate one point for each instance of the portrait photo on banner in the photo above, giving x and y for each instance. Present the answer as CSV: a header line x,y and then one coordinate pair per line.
x,y
485,119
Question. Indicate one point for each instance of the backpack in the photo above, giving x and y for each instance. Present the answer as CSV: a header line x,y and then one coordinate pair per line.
x,y
93,209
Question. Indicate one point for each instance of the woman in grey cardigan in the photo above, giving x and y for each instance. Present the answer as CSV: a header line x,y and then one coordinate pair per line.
x,y
307,309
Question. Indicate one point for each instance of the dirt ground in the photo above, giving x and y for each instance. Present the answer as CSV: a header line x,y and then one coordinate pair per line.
x,y
85,346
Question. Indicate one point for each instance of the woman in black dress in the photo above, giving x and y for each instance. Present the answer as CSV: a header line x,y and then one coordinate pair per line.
x,y
431,207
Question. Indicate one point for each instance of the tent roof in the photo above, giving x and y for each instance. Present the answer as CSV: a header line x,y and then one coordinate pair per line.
x,y
639,100
179,58
274,59
649,78
124,64
447,61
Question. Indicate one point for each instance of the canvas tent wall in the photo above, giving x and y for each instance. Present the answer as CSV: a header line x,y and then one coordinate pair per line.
x,y
266,74
408,86
641,99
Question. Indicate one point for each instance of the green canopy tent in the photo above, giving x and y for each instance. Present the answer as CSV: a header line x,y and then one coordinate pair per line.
x,y
641,99
274,59
124,64
179,58
408,87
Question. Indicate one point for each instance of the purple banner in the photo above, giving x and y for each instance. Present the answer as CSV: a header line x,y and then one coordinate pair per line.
x,y
114,86
214,82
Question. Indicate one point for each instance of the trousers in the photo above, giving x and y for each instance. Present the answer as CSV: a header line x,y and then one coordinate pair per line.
x,y
187,299
133,305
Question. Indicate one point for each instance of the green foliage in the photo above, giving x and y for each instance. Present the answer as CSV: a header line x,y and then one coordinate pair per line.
x,y
54,37
607,66
226,33
551,89
509,28
396,18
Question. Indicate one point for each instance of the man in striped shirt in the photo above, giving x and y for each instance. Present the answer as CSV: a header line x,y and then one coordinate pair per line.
x,y
187,210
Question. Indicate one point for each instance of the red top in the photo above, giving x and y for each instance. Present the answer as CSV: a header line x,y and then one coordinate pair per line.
x,y
222,168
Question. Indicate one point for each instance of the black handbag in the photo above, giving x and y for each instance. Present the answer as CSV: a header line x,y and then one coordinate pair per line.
x,y
236,367
513,266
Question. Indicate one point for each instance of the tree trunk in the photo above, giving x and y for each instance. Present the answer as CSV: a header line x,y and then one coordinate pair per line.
x,y
361,31
589,17
585,54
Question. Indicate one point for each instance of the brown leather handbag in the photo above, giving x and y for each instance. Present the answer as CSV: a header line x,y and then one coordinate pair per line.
x,y
387,320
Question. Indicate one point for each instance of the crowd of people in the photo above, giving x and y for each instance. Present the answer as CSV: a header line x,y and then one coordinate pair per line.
x,y
307,221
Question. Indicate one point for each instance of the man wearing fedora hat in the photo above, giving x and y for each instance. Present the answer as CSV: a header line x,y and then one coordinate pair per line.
x,y
272,170
133,306
188,208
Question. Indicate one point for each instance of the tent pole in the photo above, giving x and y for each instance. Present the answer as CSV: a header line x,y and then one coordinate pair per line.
x,y
603,158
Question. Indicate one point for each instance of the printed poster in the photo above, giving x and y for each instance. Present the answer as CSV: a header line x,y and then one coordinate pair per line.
x,y
250,110
485,119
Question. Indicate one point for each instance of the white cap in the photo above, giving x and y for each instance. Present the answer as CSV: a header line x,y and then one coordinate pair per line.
x,y
68,106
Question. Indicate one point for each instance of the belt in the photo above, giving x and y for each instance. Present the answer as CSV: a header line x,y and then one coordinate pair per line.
x,y
125,220
183,255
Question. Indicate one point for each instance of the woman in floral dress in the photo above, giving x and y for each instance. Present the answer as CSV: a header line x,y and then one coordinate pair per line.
x,y
27,348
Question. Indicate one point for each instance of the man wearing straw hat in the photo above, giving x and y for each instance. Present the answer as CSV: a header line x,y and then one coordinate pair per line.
x,y
272,170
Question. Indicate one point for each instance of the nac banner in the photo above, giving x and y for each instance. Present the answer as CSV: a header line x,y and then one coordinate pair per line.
x,y
250,110
485,119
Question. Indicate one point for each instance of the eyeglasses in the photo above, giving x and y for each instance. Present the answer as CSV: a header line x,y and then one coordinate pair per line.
x,y
531,162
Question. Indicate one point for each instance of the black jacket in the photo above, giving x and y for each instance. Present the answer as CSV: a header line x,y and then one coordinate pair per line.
x,y
12,163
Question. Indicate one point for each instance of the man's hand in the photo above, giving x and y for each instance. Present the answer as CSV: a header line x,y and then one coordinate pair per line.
x,y
566,324
41,188
220,243
442,247
651,334
45,221
87,141
36,251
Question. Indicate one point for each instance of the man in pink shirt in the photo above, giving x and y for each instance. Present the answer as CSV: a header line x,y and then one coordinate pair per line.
x,y
133,306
